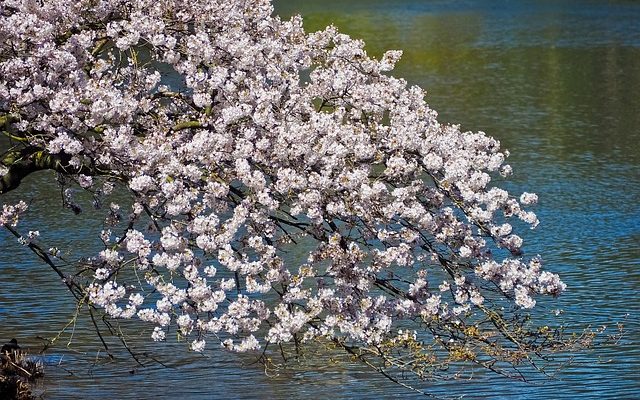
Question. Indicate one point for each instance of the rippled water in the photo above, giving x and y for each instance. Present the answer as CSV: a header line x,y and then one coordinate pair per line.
x,y
556,81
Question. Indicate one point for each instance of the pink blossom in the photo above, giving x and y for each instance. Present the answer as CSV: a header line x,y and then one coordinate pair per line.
x,y
287,187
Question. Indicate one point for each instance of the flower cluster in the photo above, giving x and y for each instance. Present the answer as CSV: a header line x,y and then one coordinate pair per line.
x,y
239,138
11,213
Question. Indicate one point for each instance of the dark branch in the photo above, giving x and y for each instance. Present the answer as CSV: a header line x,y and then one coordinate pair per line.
x,y
23,162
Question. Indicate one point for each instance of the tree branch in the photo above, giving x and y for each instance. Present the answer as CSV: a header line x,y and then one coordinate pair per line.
x,y
21,163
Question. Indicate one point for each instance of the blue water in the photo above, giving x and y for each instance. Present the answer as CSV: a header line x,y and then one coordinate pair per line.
x,y
556,82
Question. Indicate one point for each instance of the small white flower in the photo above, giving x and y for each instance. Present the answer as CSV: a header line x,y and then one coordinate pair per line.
x,y
198,345
102,273
158,334
528,198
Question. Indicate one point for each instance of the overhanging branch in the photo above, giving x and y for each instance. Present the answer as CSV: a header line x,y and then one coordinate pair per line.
x,y
21,163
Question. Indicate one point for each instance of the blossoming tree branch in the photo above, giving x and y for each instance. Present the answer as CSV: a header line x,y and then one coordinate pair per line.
x,y
282,187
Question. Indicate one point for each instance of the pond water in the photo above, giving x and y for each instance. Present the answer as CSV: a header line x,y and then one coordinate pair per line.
x,y
557,82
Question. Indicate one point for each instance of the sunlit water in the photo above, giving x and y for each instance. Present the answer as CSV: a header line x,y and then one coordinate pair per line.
x,y
556,82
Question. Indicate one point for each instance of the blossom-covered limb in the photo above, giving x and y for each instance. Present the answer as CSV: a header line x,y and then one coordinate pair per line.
x,y
268,186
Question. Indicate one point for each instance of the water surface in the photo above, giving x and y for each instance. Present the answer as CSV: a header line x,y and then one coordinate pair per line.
x,y
556,82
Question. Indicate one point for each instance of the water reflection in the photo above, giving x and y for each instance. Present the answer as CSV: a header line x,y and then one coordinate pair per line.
x,y
539,69
556,81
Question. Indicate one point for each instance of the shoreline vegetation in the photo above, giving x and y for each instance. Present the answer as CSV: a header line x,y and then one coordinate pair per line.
x,y
17,372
